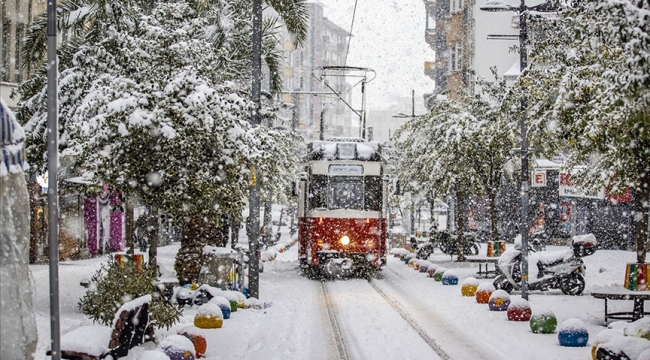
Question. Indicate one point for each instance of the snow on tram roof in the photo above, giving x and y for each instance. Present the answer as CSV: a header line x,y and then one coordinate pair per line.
x,y
344,149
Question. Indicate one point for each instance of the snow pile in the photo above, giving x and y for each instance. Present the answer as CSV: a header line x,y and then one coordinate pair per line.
x,y
639,328
572,324
440,270
499,294
616,342
485,286
210,310
220,301
153,355
216,250
177,344
586,239
519,303
91,340
131,305
471,281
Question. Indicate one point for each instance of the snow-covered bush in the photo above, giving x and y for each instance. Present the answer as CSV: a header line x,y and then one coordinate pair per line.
x,y
113,285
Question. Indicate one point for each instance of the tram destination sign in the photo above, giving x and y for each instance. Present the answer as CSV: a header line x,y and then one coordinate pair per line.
x,y
345,169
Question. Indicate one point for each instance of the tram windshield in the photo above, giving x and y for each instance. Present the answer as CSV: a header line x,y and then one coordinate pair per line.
x,y
346,192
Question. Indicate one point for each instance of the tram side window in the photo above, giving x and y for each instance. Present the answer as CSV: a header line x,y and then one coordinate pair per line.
x,y
318,191
372,196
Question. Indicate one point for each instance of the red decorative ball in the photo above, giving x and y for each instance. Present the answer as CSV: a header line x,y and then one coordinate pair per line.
x,y
519,310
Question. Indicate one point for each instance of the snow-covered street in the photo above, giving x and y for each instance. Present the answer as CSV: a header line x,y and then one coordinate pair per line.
x,y
298,324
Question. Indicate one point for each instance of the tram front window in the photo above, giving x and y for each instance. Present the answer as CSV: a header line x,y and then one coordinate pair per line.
x,y
346,193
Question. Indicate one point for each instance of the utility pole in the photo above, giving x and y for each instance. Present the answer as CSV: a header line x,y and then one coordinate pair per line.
x,y
254,202
523,62
52,187
498,6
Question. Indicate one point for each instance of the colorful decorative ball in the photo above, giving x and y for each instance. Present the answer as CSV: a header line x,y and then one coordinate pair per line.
x,y
178,347
208,316
223,304
483,292
424,266
499,300
232,298
200,345
543,322
431,270
437,275
408,257
519,310
411,262
449,277
573,333
469,286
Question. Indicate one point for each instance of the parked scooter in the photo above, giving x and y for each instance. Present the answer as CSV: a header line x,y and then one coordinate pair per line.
x,y
562,270
447,243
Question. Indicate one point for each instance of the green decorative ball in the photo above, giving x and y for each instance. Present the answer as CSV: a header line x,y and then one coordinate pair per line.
x,y
545,323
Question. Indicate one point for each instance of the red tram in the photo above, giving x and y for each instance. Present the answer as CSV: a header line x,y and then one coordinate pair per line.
x,y
342,212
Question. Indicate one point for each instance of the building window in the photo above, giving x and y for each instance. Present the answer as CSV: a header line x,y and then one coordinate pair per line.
x,y
455,6
456,57
431,20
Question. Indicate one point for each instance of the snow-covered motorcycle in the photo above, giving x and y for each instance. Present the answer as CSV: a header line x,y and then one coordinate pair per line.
x,y
562,269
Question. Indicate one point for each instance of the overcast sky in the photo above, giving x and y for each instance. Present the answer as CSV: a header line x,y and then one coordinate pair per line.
x,y
388,36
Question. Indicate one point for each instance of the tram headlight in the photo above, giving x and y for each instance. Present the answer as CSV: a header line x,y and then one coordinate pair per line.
x,y
345,240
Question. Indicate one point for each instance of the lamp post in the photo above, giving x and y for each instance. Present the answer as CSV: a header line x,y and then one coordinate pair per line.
x,y
254,203
498,6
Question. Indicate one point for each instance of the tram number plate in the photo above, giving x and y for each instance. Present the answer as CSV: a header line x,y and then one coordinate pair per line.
x,y
346,169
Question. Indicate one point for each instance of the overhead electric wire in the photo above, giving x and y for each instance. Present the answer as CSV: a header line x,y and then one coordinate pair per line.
x,y
347,51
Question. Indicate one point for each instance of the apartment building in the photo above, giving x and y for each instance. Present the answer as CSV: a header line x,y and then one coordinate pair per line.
x,y
459,33
309,98
17,16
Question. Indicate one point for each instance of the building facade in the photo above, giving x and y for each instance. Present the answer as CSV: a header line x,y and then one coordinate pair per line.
x,y
17,16
309,99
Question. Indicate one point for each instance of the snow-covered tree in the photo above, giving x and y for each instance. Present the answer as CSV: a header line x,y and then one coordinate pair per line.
x,y
227,29
461,147
590,80
159,108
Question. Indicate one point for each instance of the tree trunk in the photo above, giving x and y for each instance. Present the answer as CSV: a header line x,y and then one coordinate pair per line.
x,y
153,238
642,204
34,190
195,234
460,228
128,233
493,216
268,230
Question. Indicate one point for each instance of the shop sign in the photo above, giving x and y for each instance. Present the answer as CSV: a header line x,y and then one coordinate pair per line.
x,y
569,190
538,178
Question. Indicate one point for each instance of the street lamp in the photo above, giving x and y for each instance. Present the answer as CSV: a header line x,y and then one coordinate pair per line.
x,y
498,6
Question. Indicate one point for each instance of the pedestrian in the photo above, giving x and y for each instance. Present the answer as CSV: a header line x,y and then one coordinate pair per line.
x,y
18,336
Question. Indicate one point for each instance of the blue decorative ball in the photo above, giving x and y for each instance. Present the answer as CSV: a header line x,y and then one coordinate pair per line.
x,y
449,277
573,333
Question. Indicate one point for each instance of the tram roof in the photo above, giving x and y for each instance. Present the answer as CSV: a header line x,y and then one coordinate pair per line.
x,y
343,149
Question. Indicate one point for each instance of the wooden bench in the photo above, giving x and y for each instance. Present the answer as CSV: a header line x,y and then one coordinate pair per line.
x,y
130,329
638,297
487,273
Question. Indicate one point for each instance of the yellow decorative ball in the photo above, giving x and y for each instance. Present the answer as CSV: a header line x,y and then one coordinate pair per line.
x,y
208,316
468,289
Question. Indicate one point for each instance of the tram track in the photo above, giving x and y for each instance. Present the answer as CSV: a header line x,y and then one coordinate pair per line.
x,y
409,320
336,298
336,329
